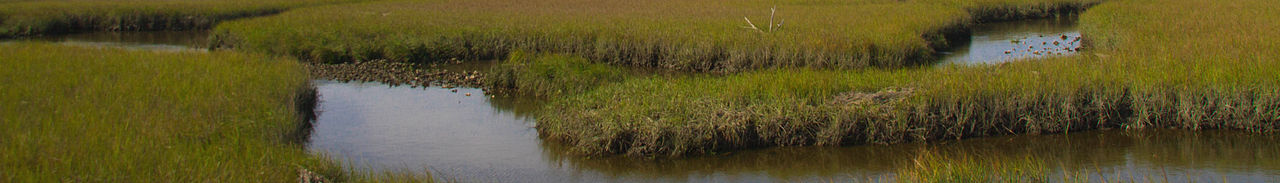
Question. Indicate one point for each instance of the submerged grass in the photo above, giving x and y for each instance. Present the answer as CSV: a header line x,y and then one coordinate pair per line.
x,y
934,167
36,17
80,114
675,35
1155,64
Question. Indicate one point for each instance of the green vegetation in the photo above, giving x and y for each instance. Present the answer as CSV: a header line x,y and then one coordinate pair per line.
x,y
835,73
551,75
673,35
933,167
25,18
75,114
1155,64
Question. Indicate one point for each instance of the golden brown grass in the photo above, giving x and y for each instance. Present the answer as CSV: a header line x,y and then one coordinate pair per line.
x,y
37,17
1155,64
704,35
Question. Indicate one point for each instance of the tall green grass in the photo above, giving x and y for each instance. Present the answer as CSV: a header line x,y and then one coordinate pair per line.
x,y
677,35
80,114
36,17
1155,64
550,75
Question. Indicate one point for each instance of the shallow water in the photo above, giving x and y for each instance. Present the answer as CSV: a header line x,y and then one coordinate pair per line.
x,y
484,139
999,42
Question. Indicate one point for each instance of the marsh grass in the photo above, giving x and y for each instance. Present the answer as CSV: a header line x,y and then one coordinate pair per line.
x,y
701,36
27,18
85,114
550,75
1155,65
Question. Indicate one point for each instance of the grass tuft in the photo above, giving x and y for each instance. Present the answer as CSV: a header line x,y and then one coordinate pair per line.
x,y
933,167
551,75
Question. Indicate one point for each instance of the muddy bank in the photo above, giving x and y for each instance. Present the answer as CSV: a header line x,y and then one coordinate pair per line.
x,y
398,73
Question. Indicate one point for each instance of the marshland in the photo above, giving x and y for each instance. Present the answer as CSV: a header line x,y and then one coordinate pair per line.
x,y
639,91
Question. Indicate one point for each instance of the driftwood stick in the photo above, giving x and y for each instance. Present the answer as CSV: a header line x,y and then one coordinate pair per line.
x,y
753,26
772,10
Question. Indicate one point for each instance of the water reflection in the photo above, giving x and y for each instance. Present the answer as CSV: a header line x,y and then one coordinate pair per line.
x,y
478,138
196,40
1006,41
1178,156
458,136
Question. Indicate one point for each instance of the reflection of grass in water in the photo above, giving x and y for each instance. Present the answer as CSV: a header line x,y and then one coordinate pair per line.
x,y
678,35
189,39
23,18
933,167
1074,157
1153,65
113,115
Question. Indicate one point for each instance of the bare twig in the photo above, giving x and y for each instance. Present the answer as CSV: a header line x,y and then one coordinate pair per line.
x,y
780,23
753,26
772,15
772,10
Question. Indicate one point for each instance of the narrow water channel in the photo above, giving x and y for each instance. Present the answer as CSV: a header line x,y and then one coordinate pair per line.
x,y
999,42
479,138
484,139
196,40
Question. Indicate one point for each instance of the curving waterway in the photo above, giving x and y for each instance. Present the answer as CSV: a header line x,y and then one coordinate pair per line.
x,y
484,138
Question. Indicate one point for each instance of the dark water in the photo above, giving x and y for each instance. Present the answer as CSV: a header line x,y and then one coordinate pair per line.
x,y
157,40
484,139
1008,41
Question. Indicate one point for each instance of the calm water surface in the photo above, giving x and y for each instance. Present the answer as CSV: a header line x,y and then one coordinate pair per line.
x,y
158,40
484,139
1009,41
